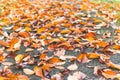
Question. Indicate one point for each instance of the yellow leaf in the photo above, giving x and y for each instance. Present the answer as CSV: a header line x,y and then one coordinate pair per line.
x,y
40,30
19,57
65,32
27,28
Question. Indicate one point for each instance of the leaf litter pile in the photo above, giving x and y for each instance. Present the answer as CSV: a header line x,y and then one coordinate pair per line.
x,y
58,40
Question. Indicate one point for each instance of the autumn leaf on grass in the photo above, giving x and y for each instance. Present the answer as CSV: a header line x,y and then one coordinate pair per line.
x,y
90,36
107,73
54,60
65,32
66,45
76,76
57,40
28,29
19,58
22,77
93,55
13,42
3,78
116,47
3,43
51,46
43,56
72,67
40,30
112,65
28,71
38,71
82,57
24,34
2,58
102,44
15,28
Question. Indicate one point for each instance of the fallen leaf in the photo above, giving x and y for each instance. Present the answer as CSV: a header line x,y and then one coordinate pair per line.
x,y
107,73
38,71
22,77
112,65
65,32
76,76
3,43
7,63
24,34
93,55
82,57
72,67
28,71
54,60
19,58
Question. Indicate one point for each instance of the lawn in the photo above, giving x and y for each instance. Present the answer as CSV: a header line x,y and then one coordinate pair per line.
x,y
59,40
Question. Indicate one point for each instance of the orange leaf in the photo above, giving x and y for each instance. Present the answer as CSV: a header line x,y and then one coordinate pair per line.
x,y
24,34
112,65
1,58
116,47
90,36
22,77
82,57
38,71
93,55
54,60
102,44
42,56
46,67
51,46
15,28
13,42
107,73
3,43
